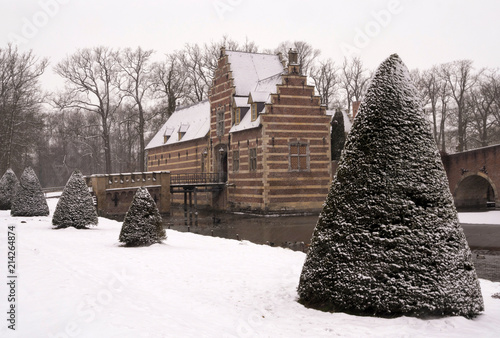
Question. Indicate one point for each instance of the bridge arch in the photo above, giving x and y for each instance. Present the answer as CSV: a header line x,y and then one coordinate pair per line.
x,y
475,191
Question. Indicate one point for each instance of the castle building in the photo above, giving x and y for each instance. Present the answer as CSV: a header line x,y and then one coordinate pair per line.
x,y
263,131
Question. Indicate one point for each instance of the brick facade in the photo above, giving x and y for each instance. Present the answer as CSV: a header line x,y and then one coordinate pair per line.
x,y
277,158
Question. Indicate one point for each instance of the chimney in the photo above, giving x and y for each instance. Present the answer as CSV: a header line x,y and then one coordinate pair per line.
x,y
222,51
355,107
293,62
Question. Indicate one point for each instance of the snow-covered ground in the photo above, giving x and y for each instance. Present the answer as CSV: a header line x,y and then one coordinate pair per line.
x,y
81,283
487,217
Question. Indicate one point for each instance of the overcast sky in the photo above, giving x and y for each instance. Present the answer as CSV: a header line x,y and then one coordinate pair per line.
x,y
422,32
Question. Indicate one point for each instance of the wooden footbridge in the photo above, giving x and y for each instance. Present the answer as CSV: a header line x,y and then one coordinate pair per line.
x,y
180,183
191,184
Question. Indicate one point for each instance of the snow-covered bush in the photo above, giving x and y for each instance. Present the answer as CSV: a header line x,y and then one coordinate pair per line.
x,y
75,207
388,241
8,184
337,135
29,199
142,225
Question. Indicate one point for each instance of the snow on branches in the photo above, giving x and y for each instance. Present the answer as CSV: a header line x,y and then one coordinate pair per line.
x,y
8,184
142,225
75,207
29,199
388,241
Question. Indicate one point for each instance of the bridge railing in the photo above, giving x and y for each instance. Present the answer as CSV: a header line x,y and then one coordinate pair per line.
x,y
200,178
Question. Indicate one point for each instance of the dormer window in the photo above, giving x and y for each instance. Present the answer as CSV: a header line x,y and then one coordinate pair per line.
x,y
254,111
240,107
237,116
182,130
167,134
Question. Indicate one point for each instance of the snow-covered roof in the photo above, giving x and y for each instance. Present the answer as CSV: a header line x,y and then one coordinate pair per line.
x,y
347,120
193,120
259,96
254,75
246,123
183,127
268,85
241,101
250,68
169,131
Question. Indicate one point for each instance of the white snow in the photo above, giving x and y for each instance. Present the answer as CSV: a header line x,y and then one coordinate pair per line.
x,y
246,123
259,96
241,101
193,120
81,283
486,217
249,68
268,86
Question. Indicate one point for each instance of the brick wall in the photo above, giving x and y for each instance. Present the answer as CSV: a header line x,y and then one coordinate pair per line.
x,y
115,192
296,116
471,173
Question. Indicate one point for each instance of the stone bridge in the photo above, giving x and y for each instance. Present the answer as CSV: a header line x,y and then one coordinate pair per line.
x,y
474,177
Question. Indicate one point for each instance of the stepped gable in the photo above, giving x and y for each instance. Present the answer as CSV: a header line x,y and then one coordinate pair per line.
x,y
255,77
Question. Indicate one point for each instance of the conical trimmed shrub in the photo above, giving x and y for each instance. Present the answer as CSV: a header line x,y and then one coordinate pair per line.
x,y
29,199
337,135
142,225
8,184
388,241
75,207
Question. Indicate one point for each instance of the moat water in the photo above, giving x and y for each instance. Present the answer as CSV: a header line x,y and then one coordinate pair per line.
x,y
293,232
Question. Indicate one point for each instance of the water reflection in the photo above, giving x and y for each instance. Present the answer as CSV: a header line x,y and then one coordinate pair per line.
x,y
293,232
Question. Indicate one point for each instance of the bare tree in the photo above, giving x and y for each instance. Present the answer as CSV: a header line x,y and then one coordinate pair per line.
x,y
171,83
137,84
444,98
326,80
92,79
354,80
72,141
306,53
127,151
460,79
481,103
495,87
427,83
249,46
20,105
198,70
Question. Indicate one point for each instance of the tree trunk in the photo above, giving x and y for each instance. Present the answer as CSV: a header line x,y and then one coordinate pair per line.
x,y
107,146
142,146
